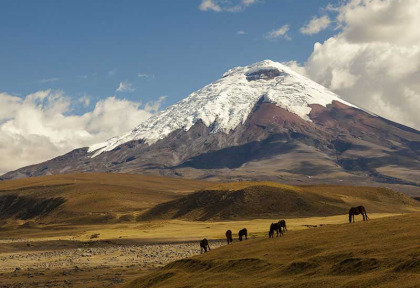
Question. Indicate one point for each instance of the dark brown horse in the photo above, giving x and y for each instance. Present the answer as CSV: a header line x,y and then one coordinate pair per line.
x,y
204,244
243,233
275,227
282,224
356,211
229,237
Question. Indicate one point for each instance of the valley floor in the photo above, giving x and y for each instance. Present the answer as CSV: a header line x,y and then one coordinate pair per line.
x,y
114,254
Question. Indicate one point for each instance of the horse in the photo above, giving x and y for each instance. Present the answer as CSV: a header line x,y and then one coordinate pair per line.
x,y
282,224
275,227
242,233
356,211
204,244
229,237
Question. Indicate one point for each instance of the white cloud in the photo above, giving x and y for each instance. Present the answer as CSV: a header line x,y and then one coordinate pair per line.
x,y
316,25
242,32
144,75
41,125
125,86
225,5
374,59
49,80
85,100
278,33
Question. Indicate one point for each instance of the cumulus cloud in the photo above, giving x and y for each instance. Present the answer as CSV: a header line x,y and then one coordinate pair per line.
x,y
85,100
125,86
225,5
316,25
41,125
278,33
242,32
374,59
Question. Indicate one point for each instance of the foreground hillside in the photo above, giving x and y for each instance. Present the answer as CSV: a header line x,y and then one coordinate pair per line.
x,y
378,253
248,200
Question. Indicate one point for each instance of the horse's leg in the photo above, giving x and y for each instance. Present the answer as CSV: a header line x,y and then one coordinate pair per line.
x,y
209,247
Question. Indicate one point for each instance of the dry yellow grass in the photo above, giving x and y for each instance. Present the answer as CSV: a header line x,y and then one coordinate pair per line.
x,y
106,198
100,197
378,253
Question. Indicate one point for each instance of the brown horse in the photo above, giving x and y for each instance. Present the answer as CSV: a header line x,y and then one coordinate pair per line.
x,y
356,211
282,224
229,237
275,227
204,244
243,233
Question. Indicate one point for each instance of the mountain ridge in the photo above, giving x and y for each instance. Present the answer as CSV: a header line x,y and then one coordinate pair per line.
x,y
322,141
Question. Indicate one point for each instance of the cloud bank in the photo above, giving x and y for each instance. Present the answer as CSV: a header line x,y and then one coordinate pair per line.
x,y
41,125
374,59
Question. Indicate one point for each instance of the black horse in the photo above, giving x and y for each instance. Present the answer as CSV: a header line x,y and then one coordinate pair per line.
x,y
356,211
282,224
243,233
229,237
274,227
204,244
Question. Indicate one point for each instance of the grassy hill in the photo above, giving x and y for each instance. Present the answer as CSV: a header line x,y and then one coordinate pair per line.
x,y
88,197
378,253
96,198
247,200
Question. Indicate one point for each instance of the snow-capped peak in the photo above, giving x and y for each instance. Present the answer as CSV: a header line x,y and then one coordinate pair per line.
x,y
227,102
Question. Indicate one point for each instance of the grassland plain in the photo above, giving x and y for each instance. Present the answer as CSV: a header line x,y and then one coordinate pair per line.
x,y
94,235
379,253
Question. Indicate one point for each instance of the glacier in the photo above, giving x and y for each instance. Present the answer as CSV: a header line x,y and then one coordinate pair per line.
x,y
227,102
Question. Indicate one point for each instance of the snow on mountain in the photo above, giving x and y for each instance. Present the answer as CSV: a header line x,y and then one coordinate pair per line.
x,y
226,103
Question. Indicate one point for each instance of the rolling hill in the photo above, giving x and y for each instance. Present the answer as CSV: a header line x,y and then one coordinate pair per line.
x,y
248,200
378,253
88,197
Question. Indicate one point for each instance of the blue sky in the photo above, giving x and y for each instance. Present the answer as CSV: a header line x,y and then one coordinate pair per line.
x,y
75,73
86,48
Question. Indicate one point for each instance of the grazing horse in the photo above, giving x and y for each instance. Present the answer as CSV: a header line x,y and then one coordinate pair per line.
x,y
274,227
242,233
229,237
282,224
356,211
204,244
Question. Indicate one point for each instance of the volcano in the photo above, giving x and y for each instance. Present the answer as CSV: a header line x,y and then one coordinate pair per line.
x,y
258,122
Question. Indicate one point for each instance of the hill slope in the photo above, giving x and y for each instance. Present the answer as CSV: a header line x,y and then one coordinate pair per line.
x,y
378,253
88,197
245,200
